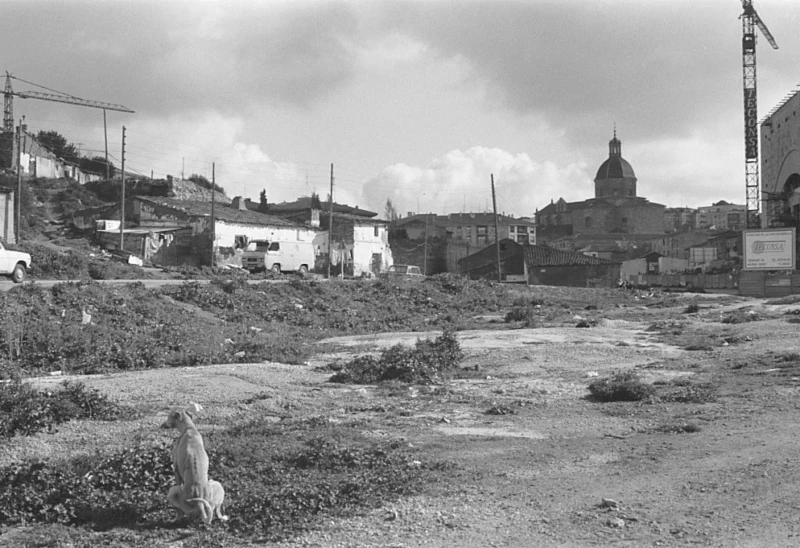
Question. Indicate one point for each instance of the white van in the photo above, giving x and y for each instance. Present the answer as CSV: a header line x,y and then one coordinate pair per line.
x,y
278,256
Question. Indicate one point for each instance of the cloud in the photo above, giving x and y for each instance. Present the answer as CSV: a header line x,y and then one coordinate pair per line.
x,y
448,183
160,59
652,69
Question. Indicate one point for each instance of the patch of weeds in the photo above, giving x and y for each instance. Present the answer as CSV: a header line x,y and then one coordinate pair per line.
x,y
121,489
280,479
427,363
741,316
500,409
25,410
257,397
620,386
693,308
682,390
679,428
667,327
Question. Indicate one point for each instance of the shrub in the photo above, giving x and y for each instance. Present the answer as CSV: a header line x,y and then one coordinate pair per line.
x,y
693,308
428,362
25,410
620,386
307,470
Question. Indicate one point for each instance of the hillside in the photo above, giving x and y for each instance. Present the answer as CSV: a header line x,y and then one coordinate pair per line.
x,y
60,250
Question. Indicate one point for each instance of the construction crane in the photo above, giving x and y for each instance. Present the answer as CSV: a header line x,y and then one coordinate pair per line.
x,y
751,20
8,112
9,93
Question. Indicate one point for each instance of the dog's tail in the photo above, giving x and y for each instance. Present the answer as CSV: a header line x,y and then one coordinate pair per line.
x,y
205,509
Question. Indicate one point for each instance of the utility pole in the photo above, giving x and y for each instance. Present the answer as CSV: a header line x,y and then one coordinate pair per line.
x,y
213,223
122,201
18,225
496,234
105,133
330,227
425,259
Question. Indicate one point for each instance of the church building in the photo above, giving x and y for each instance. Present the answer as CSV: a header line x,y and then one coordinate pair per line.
x,y
615,208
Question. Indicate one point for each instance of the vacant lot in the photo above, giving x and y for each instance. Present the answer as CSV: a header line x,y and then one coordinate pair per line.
x,y
510,449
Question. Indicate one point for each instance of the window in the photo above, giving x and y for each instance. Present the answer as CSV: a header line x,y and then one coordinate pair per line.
x,y
274,246
481,239
481,230
377,233
240,241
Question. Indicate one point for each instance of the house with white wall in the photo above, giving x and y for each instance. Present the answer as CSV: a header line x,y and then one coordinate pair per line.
x,y
170,232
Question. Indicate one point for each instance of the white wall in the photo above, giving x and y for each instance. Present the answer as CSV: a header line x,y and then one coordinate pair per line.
x,y
633,267
225,236
366,244
671,265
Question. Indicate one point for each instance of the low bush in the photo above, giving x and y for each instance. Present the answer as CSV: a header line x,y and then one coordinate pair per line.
x,y
741,316
620,386
427,363
25,410
279,479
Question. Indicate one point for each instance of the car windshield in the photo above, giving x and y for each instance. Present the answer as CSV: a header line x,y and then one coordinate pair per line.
x,y
399,269
257,245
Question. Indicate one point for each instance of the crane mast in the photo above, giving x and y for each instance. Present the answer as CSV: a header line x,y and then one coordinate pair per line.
x,y
751,20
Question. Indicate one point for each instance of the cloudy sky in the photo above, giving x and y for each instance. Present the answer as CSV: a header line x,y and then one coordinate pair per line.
x,y
418,102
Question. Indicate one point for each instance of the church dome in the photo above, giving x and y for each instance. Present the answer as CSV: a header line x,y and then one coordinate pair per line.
x,y
615,167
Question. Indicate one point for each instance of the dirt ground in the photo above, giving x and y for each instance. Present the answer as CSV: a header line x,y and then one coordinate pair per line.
x,y
537,463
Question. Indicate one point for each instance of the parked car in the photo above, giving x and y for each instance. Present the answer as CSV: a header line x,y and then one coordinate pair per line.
x,y
407,272
14,264
278,256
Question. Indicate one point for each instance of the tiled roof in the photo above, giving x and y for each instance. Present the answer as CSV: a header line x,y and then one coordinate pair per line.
x,y
536,255
304,203
484,219
221,212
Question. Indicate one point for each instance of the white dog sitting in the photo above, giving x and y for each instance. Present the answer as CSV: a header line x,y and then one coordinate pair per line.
x,y
195,494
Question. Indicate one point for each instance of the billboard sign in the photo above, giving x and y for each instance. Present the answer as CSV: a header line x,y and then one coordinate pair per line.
x,y
769,249
750,125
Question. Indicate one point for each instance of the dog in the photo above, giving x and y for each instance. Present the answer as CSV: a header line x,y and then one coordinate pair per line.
x,y
193,493
213,506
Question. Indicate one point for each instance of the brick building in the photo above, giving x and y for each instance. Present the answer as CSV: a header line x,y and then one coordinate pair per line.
x,y
615,208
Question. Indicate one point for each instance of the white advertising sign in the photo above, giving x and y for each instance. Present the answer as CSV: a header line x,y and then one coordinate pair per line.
x,y
769,249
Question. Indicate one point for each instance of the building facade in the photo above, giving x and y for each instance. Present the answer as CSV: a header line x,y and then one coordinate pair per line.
x,y
780,165
722,216
615,208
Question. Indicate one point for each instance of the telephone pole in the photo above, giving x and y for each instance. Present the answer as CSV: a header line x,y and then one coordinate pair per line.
x,y
213,223
17,224
496,234
105,132
122,201
330,227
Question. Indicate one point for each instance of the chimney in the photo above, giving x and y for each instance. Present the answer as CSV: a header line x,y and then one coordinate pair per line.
x,y
238,203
